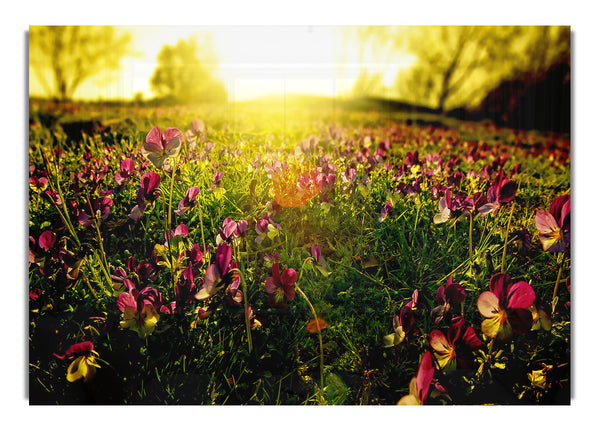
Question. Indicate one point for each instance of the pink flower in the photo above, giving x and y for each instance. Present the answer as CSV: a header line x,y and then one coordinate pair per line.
x,y
453,348
231,231
139,310
195,131
160,146
147,193
280,287
219,275
385,211
84,361
315,251
188,201
500,192
448,295
554,227
506,307
101,208
127,167
419,385
47,240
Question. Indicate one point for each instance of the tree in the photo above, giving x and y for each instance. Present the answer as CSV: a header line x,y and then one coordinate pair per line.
x,y
456,66
460,63
73,54
182,77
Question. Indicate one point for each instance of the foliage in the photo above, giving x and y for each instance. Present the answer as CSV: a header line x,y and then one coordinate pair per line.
x,y
74,54
182,77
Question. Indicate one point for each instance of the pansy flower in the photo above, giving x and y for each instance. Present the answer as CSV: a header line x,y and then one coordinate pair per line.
x,y
147,193
404,323
217,184
139,310
447,295
185,289
521,239
554,227
219,275
385,211
120,280
266,228
47,240
315,251
450,209
506,307
254,322
127,167
231,231
160,146
540,318
454,348
454,179
100,206
280,287
397,336
188,201
418,389
84,361
500,192
271,259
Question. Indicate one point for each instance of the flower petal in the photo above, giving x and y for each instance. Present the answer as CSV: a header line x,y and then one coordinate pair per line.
x,y
170,134
270,286
154,136
520,320
455,293
438,341
497,327
557,207
520,295
488,304
499,284
545,222
408,400
77,369
126,300
424,376
471,339
290,292
289,277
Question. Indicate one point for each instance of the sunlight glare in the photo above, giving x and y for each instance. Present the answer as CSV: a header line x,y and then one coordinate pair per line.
x,y
251,61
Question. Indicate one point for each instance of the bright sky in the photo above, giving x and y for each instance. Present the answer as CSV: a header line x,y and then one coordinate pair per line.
x,y
253,61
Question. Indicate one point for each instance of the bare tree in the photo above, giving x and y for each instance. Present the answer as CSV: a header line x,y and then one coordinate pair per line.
x,y
73,54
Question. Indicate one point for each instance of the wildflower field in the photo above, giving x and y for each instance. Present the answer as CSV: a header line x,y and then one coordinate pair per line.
x,y
322,256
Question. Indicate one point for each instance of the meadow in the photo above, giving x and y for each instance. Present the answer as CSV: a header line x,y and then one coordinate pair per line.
x,y
313,255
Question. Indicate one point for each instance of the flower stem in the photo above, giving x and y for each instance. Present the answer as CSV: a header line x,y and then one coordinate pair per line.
x,y
308,260
168,228
471,237
506,237
555,292
318,331
202,229
414,232
102,259
246,316
65,217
